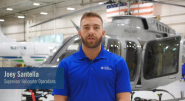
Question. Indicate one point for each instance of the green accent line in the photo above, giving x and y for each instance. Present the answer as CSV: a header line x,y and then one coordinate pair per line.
x,y
18,60
39,59
34,59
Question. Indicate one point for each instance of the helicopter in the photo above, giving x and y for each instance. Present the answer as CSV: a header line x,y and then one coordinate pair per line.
x,y
152,50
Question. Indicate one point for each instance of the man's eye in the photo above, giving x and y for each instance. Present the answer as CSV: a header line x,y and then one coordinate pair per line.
x,y
96,27
85,27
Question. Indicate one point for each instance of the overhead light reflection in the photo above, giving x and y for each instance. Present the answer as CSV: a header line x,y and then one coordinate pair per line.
x,y
167,47
70,8
43,13
9,9
2,20
36,4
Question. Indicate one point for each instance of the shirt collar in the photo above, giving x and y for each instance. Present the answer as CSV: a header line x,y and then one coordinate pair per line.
x,y
101,55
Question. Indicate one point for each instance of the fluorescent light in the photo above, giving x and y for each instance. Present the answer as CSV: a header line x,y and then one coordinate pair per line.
x,y
9,9
21,17
36,4
43,13
100,3
1,20
70,8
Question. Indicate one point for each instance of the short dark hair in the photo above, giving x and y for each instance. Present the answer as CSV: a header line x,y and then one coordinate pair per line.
x,y
91,14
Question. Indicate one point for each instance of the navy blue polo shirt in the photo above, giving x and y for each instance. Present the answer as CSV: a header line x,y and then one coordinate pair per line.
x,y
97,80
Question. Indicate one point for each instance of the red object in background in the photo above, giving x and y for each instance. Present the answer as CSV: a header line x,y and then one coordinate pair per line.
x,y
32,94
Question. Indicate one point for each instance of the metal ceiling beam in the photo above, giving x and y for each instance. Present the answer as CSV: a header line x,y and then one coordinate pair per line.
x,y
13,3
25,11
91,2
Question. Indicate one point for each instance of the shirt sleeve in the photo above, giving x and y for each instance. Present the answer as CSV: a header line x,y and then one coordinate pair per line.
x,y
123,77
64,91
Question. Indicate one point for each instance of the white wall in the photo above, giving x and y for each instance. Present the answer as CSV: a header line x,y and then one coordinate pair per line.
x,y
172,15
1,64
6,63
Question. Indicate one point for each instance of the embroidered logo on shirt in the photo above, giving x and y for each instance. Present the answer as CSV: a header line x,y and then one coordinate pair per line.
x,y
105,68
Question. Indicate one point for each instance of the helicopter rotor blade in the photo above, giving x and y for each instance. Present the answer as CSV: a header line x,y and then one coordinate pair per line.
x,y
159,2
72,13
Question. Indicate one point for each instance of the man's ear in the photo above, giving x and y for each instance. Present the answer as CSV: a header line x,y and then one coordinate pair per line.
x,y
79,33
103,33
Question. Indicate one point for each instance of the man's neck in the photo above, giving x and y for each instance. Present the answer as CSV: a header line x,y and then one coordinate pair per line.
x,y
91,53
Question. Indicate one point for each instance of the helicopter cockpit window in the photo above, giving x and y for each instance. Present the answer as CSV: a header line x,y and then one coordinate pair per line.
x,y
54,51
114,46
138,23
126,21
161,58
131,58
71,47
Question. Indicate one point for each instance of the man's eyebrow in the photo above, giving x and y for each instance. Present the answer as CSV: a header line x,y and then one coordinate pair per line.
x,y
96,25
93,25
86,25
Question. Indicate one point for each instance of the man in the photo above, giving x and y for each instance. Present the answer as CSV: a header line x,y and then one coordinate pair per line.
x,y
93,74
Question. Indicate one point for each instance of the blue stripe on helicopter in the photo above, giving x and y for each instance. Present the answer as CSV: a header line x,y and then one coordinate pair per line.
x,y
15,57
116,5
183,69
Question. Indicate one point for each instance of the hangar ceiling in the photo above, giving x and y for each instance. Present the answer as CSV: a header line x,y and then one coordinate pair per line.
x,y
19,28
26,7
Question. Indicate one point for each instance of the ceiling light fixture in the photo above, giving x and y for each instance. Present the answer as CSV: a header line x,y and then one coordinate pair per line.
x,y
9,9
36,4
70,8
2,20
21,17
100,3
43,13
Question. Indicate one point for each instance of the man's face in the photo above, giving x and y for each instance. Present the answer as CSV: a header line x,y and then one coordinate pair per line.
x,y
91,32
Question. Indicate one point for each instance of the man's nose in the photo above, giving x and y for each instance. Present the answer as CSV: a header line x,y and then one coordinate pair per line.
x,y
91,31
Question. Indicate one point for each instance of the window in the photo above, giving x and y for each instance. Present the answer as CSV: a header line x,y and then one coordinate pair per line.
x,y
114,46
72,46
56,49
131,58
161,58
157,26
136,22
166,30
163,28
160,27
48,39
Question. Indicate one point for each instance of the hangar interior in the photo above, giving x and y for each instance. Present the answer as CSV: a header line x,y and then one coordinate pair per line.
x,y
16,17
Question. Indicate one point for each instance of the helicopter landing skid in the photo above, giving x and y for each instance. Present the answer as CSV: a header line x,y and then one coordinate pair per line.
x,y
177,99
160,96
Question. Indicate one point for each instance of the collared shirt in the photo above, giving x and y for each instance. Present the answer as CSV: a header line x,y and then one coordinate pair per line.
x,y
97,80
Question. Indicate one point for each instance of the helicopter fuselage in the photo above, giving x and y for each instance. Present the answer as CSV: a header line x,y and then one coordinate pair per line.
x,y
147,51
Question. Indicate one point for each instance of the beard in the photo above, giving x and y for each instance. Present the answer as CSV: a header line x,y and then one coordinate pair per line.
x,y
94,44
